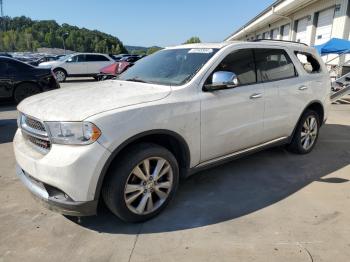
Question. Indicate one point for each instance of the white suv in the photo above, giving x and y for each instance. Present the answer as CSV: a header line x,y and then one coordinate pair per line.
x,y
128,141
78,65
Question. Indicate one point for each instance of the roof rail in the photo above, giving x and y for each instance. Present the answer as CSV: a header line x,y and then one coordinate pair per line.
x,y
276,40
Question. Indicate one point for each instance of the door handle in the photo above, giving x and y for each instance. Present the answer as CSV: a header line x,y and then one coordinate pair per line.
x,y
302,88
255,96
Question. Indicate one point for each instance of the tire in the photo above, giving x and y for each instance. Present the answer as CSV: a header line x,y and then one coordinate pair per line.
x,y
25,90
307,130
60,74
133,199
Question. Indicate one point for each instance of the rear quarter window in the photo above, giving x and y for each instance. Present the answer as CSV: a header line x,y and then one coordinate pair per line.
x,y
309,62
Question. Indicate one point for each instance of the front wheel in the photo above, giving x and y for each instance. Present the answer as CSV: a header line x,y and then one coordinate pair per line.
x,y
60,75
141,183
25,90
306,133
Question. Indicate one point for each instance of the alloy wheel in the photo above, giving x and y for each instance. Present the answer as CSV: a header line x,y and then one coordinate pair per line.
x,y
148,185
309,132
60,76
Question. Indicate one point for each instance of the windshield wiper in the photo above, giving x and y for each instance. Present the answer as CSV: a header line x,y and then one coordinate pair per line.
x,y
135,80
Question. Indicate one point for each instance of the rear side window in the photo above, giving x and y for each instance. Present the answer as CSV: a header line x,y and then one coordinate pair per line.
x,y
241,63
309,62
96,58
273,64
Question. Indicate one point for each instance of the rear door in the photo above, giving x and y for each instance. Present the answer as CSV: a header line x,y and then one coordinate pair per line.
x,y
276,70
95,62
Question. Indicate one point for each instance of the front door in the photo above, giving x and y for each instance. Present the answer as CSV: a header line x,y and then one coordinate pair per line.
x,y
76,65
233,119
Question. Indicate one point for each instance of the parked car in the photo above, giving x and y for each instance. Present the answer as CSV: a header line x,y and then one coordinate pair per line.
x,y
117,68
180,110
120,56
19,80
5,54
43,59
78,65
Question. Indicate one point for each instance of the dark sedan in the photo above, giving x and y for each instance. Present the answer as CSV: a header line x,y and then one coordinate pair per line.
x,y
19,80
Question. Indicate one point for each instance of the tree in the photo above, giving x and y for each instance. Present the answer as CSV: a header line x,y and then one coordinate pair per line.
x,y
153,49
24,34
192,40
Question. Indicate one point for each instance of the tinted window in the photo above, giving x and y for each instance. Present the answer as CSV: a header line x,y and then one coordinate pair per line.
x,y
96,58
241,63
273,64
81,58
309,62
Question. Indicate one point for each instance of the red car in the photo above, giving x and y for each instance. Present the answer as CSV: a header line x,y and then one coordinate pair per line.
x,y
117,68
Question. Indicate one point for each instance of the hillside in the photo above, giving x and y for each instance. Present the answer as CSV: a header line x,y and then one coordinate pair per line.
x,y
24,34
141,50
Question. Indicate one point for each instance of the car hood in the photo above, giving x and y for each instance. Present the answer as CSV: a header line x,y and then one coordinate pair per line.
x,y
49,64
78,102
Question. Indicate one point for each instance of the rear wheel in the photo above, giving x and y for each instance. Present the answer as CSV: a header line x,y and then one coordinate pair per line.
x,y
141,183
306,133
25,90
60,75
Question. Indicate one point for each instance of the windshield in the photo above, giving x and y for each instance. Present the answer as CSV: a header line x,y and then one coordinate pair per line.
x,y
62,58
169,66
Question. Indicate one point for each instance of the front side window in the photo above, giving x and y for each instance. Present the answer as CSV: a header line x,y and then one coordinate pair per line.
x,y
273,64
169,66
241,63
309,62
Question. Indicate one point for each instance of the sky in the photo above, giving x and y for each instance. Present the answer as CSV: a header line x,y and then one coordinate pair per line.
x,y
148,22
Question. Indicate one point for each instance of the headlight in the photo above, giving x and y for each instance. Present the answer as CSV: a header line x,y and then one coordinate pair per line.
x,y
73,133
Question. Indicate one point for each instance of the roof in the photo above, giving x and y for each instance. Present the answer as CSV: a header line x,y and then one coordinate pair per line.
x,y
201,45
262,42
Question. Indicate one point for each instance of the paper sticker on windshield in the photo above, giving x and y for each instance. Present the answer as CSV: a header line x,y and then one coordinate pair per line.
x,y
200,51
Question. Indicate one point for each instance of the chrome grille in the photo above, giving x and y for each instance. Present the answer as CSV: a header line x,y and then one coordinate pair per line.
x,y
35,124
44,144
35,132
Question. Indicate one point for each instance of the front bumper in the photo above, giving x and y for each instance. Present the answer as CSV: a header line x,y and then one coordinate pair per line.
x,y
55,200
73,170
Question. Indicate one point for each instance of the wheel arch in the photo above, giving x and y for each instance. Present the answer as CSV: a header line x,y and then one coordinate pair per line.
x,y
315,105
23,83
60,68
171,140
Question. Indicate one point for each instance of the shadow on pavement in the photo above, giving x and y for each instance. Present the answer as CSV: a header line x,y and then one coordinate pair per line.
x,y
80,80
8,129
240,187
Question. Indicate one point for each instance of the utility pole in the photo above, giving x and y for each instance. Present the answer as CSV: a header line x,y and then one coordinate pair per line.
x,y
2,22
2,9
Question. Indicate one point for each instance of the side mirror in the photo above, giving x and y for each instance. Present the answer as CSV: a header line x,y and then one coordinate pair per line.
x,y
347,78
70,60
222,80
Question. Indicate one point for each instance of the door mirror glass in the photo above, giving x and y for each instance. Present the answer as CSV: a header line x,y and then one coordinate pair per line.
x,y
222,80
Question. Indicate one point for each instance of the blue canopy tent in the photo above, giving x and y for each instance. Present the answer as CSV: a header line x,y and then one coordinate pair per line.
x,y
334,46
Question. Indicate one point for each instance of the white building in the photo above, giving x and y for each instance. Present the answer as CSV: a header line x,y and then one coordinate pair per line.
x,y
312,22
